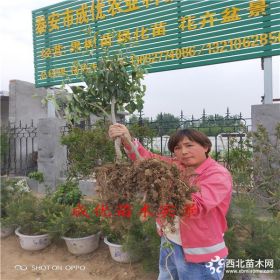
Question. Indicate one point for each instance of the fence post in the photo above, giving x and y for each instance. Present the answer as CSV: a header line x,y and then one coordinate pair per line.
x,y
52,156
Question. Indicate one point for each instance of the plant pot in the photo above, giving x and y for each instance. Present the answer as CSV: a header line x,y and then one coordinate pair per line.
x,y
83,245
33,242
6,231
118,254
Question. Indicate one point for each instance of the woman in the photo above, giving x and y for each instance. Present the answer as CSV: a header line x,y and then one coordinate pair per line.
x,y
198,249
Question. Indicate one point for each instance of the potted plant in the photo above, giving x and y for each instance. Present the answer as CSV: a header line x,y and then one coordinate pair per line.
x,y
124,233
78,226
10,190
28,213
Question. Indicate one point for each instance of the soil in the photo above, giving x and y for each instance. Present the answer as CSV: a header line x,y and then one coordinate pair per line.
x,y
56,263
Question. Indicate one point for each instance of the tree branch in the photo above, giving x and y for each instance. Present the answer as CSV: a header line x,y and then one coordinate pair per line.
x,y
101,109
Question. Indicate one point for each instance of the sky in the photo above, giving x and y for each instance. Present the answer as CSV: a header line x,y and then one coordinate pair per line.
x,y
235,85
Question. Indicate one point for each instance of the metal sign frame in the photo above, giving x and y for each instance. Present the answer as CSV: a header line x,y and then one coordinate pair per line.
x,y
166,34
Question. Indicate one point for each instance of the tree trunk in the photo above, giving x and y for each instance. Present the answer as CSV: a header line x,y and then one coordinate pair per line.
x,y
118,139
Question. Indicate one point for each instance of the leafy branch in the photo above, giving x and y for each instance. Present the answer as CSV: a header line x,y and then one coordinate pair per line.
x,y
115,84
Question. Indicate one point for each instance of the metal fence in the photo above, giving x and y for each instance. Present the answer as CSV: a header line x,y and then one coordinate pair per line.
x,y
154,133
223,131
18,149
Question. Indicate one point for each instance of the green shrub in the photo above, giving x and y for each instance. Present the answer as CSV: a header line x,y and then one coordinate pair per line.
x,y
32,214
256,231
266,167
11,189
254,217
26,212
240,158
67,193
74,222
88,149
255,166
38,176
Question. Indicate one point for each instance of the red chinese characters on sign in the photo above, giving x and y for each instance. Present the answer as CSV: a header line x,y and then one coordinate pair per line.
x,y
80,210
167,211
125,210
102,211
145,212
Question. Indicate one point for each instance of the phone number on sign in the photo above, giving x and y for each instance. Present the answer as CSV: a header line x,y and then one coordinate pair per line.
x,y
211,48
241,43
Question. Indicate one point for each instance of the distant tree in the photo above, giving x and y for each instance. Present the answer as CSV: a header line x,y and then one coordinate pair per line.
x,y
166,124
133,119
141,128
212,125
136,119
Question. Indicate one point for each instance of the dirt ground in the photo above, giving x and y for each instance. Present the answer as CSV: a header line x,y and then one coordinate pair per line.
x,y
56,263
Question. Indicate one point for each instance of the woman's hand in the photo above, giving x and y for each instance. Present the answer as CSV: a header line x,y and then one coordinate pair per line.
x,y
119,130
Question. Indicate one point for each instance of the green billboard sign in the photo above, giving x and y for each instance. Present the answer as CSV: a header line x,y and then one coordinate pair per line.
x,y
166,34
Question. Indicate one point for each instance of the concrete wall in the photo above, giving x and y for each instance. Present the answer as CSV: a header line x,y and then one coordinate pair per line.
x,y
52,156
266,114
23,106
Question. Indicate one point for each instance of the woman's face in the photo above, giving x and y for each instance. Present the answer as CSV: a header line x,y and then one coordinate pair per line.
x,y
190,153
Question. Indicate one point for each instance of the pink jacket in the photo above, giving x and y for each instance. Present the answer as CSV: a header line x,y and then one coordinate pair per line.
x,y
202,232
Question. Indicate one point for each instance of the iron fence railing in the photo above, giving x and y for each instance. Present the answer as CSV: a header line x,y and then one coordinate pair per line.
x,y
223,131
154,134
18,149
